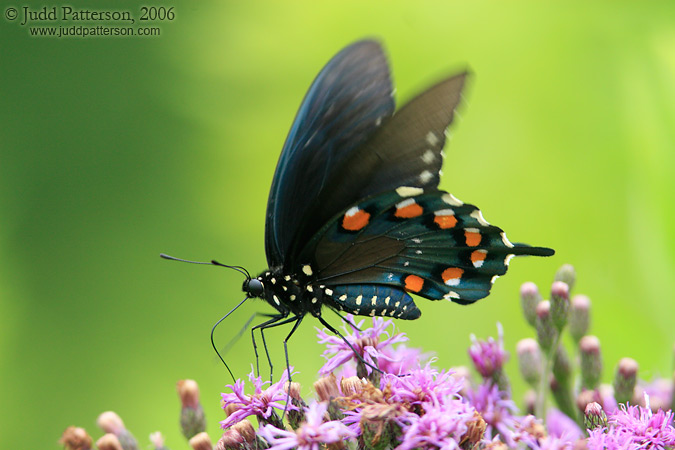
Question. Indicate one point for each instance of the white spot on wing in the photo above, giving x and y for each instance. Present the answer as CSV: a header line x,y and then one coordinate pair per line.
x,y
508,258
428,157
373,301
307,270
432,139
343,297
494,279
406,202
351,211
506,241
479,217
450,295
407,191
453,281
358,300
426,176
328,291
444,212
451,200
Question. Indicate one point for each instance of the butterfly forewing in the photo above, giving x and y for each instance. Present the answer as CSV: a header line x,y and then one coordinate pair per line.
x,y
405,150
347,101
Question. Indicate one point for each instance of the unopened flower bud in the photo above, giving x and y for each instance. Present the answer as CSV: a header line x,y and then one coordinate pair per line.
x,y
76,438
585,397
475,431
579,317
230,440
625,380
201,441
562,369
326,389
560,304
109,442
567,275
529,298
110,422
529,361
188,391
594,416
157,441
591,362
351,386
530,401
546,331
192,418
295,417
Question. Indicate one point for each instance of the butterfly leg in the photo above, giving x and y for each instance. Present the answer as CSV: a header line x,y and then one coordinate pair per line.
x,y
273,322
338,334
273,319
347,321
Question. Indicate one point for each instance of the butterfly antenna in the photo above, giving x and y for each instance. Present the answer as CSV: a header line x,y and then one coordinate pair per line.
x,y
239,269
213,343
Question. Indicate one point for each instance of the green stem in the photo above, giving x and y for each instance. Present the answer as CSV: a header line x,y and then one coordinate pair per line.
x,y
540,405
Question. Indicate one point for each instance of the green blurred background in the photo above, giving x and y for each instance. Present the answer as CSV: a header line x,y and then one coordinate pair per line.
x,y
113,150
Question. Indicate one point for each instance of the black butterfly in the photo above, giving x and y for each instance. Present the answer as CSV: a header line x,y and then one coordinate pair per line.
x,y
355,221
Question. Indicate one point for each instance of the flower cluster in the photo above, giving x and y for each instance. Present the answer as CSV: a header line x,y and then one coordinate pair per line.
x,y
375,392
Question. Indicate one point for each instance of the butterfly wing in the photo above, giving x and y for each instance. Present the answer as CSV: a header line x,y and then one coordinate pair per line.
x,y
425,242
346,103
407,150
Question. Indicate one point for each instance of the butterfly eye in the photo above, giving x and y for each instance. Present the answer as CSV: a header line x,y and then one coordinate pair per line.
x,y
254,288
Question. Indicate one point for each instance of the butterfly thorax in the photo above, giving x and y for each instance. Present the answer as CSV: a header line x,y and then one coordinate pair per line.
x,y
288,294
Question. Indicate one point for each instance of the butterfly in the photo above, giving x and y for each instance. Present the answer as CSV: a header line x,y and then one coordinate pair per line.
x,y
355,220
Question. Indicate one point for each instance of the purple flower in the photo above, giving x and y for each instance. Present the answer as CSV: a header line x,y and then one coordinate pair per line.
x,y
634,427
441,426
261,403
311,435
368,343
400,360
600,439
660,392
488,356
562,427
497,410
424,385
650,430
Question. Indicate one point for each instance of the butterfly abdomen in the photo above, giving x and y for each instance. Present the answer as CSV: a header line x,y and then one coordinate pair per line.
x,y
373,300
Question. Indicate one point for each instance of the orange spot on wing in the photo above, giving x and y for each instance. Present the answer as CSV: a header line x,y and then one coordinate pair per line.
x,y
356,221
452,274
472,238
413,283
409,211
478,255
445,222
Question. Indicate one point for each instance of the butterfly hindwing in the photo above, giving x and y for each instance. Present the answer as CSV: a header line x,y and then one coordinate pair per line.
x,y
346,103
424,242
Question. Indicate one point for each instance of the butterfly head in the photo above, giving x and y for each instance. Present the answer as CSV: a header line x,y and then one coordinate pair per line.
x,y
253,287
